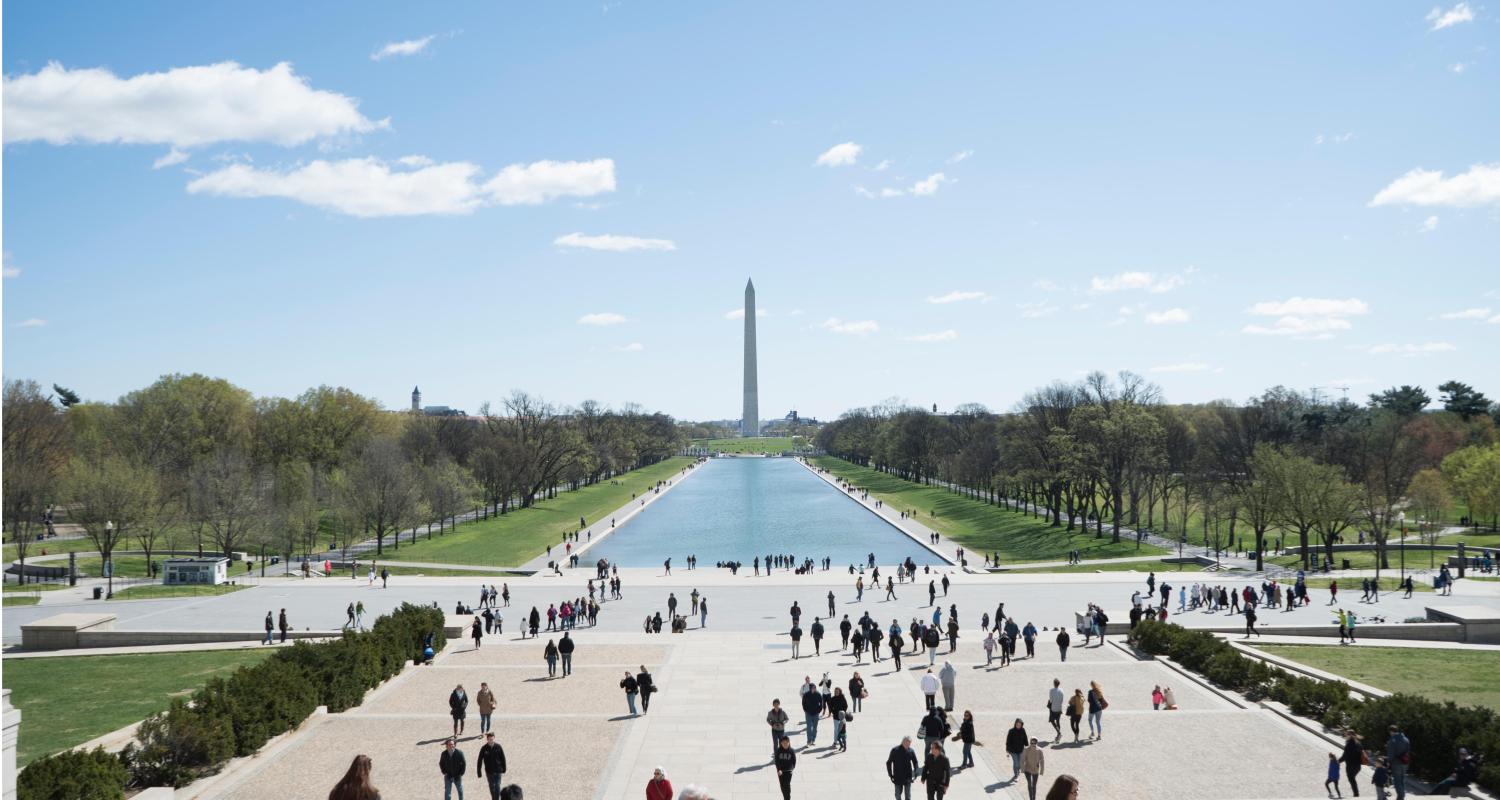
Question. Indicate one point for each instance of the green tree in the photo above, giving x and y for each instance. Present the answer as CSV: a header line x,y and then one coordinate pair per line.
x,y
1430,498
380,491
1463,400
109,497
36,448
1404,400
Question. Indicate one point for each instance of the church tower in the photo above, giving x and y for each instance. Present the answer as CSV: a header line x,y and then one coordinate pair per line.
x,y
416,398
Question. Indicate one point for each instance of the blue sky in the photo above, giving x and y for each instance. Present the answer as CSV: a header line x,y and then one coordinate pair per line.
x,y
1222,198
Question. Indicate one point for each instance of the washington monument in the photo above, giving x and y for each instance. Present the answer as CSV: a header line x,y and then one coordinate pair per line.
x,y
750,417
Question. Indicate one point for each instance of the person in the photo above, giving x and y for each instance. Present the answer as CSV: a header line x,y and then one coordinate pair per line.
x,y
355,785
703,612
647,686
838,709
348,613
491,758
385,576
1168,699
1015,744
948,676
786,761
901,768
1381,779
1250,621
1097,704
936,772
270,626
282,624
451,763
896,643
565,648
930,688
844,628
1331,781
812,709
659,788
1397,757
989,648
458,707
1064,788
856,693
930,640
1464,773
1075,711
777,719
476,632
1029,635
1353,757
966,735
550,655
817,636
1055,702
359,614
632,688
486,700
1063,640
1156,698
1033,765
796,634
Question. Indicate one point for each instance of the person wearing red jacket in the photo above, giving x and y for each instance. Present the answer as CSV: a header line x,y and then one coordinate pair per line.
x,y
659,788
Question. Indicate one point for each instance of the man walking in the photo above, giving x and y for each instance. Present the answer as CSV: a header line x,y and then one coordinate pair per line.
x,y
901,768
844,628
451,763
948,676
1398,756
270,626
1063,640
796,634
492,758
777,719
281,623
565,648
930,689
830,603
812,708
1055,708
817,637
935,773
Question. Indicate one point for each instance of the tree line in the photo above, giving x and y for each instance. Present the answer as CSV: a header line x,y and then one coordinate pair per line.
x,y
193,462
1110,451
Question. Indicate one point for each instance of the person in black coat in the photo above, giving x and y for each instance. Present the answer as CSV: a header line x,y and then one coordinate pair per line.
x,y
936,772
812,709
817,636
1353,758
647,687
491,758
901,767
535,621
786,761
565,647
451,763
458,707
1016,740
1063,640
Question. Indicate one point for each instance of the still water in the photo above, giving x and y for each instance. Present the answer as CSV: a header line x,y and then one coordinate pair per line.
x,y
740,508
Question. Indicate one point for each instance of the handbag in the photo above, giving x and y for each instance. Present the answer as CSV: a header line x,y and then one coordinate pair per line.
x,y
1103,704
864,694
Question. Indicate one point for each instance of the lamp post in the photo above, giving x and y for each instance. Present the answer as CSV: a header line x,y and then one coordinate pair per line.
x,y
1403,546
109,563
263,559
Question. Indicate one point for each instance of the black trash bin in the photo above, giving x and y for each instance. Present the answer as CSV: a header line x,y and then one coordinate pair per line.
x,y
98,592
1346,563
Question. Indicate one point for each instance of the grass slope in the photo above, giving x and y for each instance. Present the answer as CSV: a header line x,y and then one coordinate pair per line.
x,y
69,700
19,600
523,534
982,527
156,591
1467,677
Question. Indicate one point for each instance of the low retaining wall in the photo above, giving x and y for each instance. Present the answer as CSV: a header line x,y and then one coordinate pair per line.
x,y
146,638
1408,631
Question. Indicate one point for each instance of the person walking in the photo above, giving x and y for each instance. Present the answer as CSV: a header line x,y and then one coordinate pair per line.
x,y
349,616
492,759
485,699
451,763
989,648
1353,758
838,710
936,772
1331,781
844,628
1381,778
1033,766
817,636
1250,621
458,707
659,788
812,709
930,639
930,689
565,649
1063,640
549,654
901,768
356,785
1028,634
1016,741
948,676
1097,704
359,614
857,692
270,626
476,632
966,735
702,612
1076,705
281,623
647,686
632,688
896,643
785,760
777,719
796,634
1055,701
1398,756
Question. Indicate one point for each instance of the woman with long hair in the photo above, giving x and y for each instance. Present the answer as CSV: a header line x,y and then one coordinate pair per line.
x,y
1064,788
355,785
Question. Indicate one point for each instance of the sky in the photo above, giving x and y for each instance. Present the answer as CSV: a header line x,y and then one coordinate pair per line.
x,y
945,204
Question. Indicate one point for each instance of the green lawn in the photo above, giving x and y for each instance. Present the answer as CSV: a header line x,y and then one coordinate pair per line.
x,y
523,534
69,700
35,587
125,566
1142,567
1467,677
154,591
19,600
52,546
774,445
1472,539
1364,559
982,527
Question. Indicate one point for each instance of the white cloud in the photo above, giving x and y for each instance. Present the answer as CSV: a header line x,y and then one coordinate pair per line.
x,y
173,156
840,155
860,328
610,242
10,270
1441,19
1429,225
1411,350
183,107
410,47
415,161
889,192
1425,187
1333,138
1306,317
31,323
1036,310
1169,317
1187,366
1468,313
601,319
739,313
960,156
1046,285
928,186
937,336
1495,320
883,165
1127,281
957,297
633,347
1457,68
369,187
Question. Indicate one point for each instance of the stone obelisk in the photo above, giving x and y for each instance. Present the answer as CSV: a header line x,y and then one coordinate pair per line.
x,y
750,417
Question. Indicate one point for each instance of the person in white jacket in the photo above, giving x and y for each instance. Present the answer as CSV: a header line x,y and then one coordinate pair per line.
x,y
930,688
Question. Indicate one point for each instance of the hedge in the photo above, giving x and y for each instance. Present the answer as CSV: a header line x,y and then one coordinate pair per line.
x,y
235,716
1436,730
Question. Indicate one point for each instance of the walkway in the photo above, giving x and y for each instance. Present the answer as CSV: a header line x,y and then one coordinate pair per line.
x,y
919,533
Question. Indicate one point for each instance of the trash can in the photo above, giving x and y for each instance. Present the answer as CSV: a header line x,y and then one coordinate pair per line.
x,y
1346,563
98,592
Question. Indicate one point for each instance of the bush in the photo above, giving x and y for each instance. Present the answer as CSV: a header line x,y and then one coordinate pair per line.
x,y
74,775
173,746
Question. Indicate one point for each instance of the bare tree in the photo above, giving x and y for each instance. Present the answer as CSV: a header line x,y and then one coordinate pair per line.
x,y
231,498
110,497
36,454
379,488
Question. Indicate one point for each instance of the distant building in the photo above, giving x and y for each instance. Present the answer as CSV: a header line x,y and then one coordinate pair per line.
x,y
432,411
416,398
196,570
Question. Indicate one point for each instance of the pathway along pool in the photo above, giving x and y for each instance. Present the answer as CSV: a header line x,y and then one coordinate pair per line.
x,y
736,509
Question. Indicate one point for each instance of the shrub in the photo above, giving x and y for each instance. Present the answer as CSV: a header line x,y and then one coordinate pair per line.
x,y
74,775
171,747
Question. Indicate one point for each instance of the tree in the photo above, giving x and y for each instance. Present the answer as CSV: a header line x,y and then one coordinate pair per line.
x,y
1429,496
1260,497
36,448
1461,399
1474,473
67,398
1386,451
109,497
447,489
380,490
1404,400
1303,484
231,498
1336,506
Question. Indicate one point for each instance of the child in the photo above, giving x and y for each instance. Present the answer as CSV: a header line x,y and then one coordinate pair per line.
x,y
1332,784
1156,698
1382,778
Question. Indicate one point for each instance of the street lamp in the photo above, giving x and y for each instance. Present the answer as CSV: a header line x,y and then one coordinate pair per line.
x,y
1403,546
108,564
263,559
